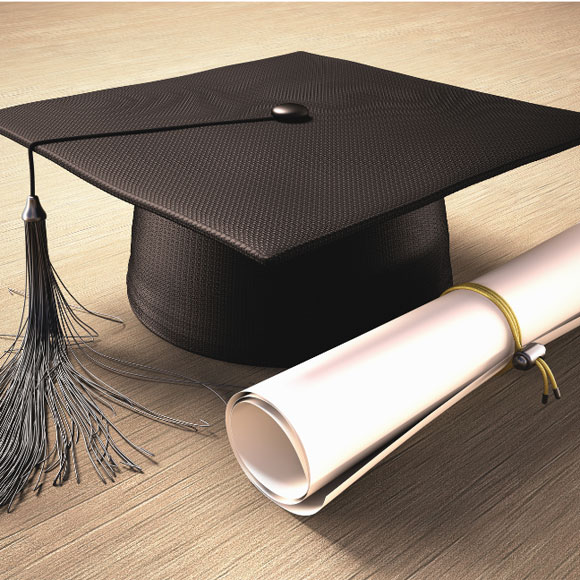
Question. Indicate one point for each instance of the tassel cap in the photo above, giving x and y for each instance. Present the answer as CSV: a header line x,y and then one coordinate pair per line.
x,y
33,211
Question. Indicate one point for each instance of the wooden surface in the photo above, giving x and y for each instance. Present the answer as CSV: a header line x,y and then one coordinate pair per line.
x,y
490,490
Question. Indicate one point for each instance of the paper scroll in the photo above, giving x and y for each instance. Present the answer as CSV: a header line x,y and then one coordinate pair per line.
x,y
306,434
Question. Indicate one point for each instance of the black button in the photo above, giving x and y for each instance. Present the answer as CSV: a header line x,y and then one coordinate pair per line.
x,y
290,112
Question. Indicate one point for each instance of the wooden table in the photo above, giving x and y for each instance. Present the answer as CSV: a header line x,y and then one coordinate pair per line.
x,y
490,490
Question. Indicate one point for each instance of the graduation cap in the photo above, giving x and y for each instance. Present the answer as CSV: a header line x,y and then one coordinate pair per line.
x,y
285,205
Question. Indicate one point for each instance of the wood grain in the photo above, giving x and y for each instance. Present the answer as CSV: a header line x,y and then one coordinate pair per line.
x,y
490,490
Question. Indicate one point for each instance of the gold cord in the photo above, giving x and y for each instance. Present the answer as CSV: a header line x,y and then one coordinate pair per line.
x,y
506,310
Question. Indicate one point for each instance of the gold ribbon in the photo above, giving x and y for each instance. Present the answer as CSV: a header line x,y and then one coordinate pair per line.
x,y
507,311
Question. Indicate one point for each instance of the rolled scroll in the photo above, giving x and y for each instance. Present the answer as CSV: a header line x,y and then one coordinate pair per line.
x,y
305,435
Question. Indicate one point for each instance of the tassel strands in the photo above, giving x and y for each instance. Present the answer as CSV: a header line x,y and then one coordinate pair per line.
x,y
42,379
42,376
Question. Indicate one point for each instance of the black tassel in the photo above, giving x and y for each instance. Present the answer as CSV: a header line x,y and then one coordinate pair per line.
x,y
43,380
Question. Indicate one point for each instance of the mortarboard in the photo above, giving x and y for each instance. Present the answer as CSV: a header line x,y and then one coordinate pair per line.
x,y
285,205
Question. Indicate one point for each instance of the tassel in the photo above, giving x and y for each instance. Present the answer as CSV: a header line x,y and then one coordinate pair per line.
x,y
43,380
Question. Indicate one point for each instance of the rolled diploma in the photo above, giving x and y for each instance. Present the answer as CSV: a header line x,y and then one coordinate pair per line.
x,y
308,433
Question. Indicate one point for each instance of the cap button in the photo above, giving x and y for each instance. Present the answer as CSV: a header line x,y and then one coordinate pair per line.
x,y
290,112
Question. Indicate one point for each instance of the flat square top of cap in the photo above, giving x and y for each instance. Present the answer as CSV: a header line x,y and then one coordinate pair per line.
x,y
377,144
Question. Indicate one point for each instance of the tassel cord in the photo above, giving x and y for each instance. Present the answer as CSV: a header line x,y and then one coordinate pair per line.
x,y
42,375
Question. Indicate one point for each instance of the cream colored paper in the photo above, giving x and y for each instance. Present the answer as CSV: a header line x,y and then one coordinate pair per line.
x,y
306,434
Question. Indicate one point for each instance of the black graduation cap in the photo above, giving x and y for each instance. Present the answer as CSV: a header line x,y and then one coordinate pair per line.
x,y
282,207
285,205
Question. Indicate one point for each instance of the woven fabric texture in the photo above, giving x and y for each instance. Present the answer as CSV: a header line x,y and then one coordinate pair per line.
x,y
201,295
379,143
